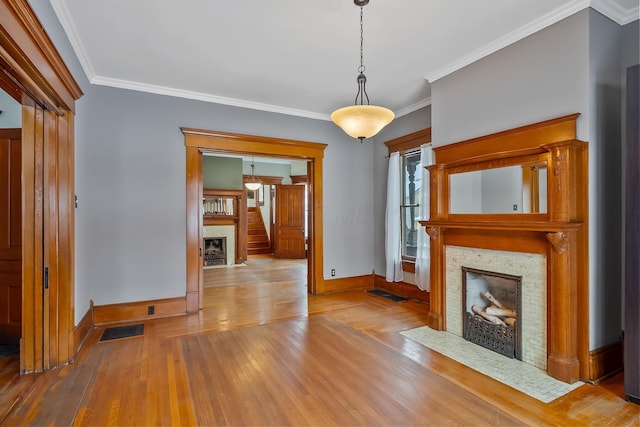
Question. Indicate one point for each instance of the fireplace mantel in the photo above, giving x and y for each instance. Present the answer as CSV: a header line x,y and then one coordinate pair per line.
x,y
560,234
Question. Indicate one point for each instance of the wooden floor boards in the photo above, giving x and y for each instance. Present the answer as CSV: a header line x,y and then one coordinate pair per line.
x,y
263,352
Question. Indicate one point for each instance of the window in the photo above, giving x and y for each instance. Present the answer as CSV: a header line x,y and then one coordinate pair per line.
x,y
409,148
410,207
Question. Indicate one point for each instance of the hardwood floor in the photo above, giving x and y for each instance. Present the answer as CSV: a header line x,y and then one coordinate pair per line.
x,y
263,352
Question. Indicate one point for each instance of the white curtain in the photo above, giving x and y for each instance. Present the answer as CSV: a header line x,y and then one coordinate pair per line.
x,y
423,261
392,232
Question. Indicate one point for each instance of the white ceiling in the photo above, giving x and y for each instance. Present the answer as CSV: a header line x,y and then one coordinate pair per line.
x,y
300,57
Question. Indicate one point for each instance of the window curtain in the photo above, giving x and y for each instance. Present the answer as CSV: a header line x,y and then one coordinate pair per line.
x,y
392,232
423,260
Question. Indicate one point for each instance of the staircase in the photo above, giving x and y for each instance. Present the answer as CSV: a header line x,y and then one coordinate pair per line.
x,y
257,239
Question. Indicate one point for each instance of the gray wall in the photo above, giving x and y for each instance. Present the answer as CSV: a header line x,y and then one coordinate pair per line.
x,y
605,178
223,173
540,77
11,116
130,224
572,66
269,169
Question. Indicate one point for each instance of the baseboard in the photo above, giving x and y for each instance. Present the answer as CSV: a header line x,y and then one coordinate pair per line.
x,y
348,283
402,289
81,331
605,361
137,310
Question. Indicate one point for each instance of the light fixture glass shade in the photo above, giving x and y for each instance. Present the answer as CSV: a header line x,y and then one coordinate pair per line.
x,y
252,185
362,121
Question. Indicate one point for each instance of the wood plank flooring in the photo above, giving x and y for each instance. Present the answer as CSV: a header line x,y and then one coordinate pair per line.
x,y
263,352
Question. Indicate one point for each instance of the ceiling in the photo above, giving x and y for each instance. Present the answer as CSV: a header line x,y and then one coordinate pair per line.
x,y
300,57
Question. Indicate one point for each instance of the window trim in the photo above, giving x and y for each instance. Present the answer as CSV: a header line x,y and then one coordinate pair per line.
x,y
405,145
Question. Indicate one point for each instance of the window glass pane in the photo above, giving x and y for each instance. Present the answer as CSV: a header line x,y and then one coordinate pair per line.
x,y
410,199
411,178
410,228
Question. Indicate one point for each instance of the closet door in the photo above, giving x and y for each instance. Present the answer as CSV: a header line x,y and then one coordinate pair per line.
x,y
632,240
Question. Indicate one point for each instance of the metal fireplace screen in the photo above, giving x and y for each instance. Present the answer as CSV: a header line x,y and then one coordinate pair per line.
x,y
498,335
215,251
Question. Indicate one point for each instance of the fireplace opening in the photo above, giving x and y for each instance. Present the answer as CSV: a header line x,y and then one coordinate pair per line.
x,y
492,315
215,251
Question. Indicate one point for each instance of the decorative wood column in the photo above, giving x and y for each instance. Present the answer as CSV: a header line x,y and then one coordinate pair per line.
x,y
437,297
562,360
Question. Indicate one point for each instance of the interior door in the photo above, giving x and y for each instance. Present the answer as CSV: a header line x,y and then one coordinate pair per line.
x,y
10,236
290,240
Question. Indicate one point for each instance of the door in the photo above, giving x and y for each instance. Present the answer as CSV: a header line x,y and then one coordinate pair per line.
x,y
10,236
290,240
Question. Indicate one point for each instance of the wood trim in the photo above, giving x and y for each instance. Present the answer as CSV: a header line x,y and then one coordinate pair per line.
x,y
299,179
409,142
409,266
561,234
348,283
81,331
137,310
266,180
194,284
35,63
605,361
198,141
402,289
36,76
515,142
275,147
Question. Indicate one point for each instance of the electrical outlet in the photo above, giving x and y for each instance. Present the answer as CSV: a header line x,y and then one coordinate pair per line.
x,y
333,272
151,309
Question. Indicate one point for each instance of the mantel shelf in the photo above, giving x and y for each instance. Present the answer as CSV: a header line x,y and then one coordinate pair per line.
x,y
540,226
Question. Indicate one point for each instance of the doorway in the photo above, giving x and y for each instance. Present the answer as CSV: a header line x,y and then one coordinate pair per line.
x,y
198,142
10,226
35,76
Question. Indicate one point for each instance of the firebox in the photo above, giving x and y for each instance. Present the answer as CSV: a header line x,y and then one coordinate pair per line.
x,y
215,251
492,315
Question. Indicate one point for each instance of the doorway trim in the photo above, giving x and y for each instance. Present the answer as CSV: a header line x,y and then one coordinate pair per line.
x,y
198,141
34,74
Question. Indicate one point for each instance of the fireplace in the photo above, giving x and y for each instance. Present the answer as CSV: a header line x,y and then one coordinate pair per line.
x,y
215,251
492,315
548,249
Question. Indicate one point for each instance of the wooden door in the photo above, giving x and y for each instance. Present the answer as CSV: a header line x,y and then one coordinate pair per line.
x,y
290,240
10,236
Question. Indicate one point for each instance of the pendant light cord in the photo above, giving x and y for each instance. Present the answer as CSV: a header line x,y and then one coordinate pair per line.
x,y
362,68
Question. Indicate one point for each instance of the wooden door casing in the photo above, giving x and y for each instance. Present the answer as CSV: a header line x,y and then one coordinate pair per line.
x,y
10,236
35,75
290,239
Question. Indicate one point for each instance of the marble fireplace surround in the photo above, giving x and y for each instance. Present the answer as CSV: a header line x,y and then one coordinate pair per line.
x,y
559,235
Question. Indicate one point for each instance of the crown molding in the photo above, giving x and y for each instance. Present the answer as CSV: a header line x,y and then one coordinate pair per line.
x,y
199,96
413,107
514,36
613,10
61,11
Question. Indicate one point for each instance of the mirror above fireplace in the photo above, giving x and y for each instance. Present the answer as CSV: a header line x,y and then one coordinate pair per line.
x,y
519,188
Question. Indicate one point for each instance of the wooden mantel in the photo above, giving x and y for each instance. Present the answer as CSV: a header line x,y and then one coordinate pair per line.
x,y
561,234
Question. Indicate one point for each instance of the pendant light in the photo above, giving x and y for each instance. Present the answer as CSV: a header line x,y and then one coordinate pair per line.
x,y
252,183
362,120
